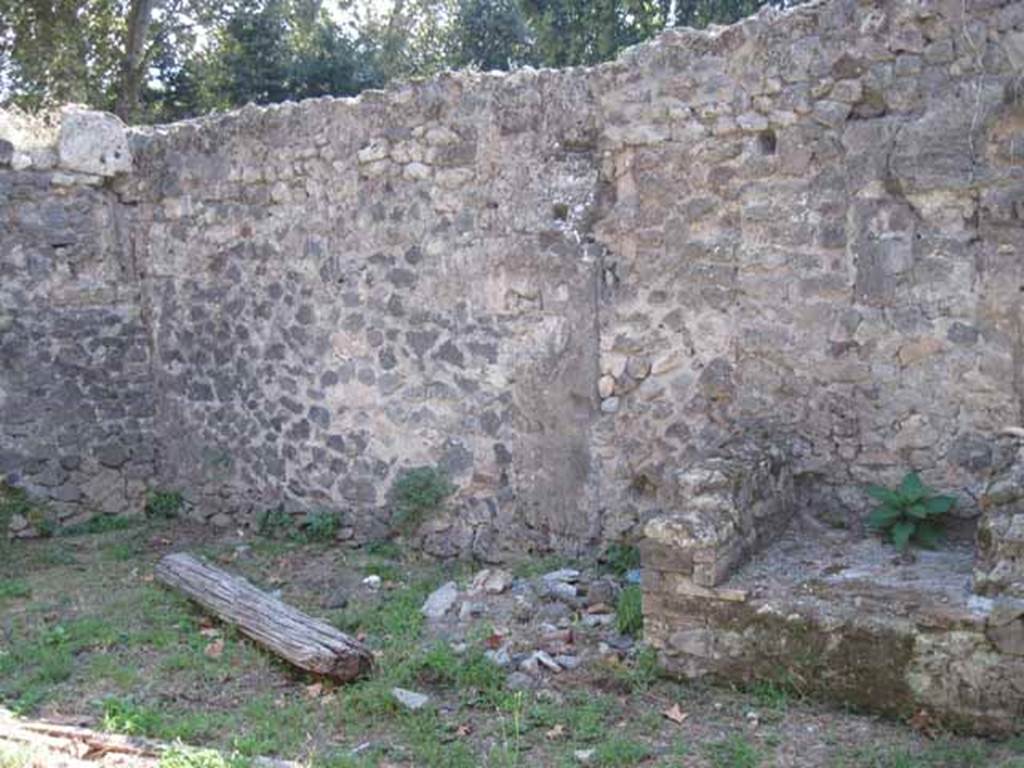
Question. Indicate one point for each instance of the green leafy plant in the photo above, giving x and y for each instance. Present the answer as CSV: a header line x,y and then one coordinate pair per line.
x,y
275,522
911,512
629,613
620,558
16,501
416,493
165,504
321,525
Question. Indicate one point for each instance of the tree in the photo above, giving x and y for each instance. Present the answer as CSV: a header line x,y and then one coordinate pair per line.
x,y
490,34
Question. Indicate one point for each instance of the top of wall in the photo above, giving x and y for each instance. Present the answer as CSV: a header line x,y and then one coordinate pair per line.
x,y
761,54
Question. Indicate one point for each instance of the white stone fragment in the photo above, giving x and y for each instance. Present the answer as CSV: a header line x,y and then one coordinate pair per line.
x,y
410,699
93,142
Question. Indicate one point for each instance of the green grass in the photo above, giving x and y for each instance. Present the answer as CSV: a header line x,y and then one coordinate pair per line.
x,y
619,752
383,548
133,654
770,695
12,589
733,752
12,757
164,504
620,558
629,614
101,524
183,757
942,754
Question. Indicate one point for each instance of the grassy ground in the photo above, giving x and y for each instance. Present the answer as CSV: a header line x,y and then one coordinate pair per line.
x,y
86,635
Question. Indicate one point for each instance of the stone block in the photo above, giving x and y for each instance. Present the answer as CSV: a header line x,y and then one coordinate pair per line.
x,y
93,142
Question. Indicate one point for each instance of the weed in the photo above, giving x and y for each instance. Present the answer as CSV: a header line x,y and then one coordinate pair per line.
x,y
511,722
619,752
528,569
100,524
164,504
383,548
321,526
269,727
586,717
181,757
15,758
418,492
15,501
770,695
643,672
629,613
621,558
120,551
127,717
733,752
911,512
11,589
275,522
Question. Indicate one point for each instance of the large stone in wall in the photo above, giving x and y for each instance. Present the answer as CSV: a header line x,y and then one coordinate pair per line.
x,y
93,142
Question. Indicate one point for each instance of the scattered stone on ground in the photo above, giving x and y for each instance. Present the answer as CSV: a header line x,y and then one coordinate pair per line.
x,y
410,699
493,581
441,601
373,581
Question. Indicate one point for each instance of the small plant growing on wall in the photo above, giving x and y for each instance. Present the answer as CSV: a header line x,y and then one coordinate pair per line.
x,y
15,501
321,525
911,512
165,504
418,492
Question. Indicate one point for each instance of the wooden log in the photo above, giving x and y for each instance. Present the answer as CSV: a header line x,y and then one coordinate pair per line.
x,y
58,745
308,643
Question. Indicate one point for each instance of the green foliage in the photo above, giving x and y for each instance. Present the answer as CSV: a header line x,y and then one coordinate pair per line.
x,y
16,501
275,523
643,672
14,589
182,757
911,512
733,752
618,752
321,526
629,613
383,548
620,558
15,758
131,719
100,524
418,492
202,56
164,504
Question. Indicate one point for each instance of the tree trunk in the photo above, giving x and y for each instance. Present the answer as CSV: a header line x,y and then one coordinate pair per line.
x,y
133,68
308,643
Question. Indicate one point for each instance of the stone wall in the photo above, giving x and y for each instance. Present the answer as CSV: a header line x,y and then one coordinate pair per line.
x,y
563,285
76,398
817,230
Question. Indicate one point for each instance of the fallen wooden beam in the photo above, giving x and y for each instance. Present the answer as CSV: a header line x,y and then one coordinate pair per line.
x,y
307,643
41,744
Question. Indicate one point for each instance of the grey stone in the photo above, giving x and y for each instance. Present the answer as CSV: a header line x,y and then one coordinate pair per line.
x,y
410,699
491,581
113,455
520,681
440,601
